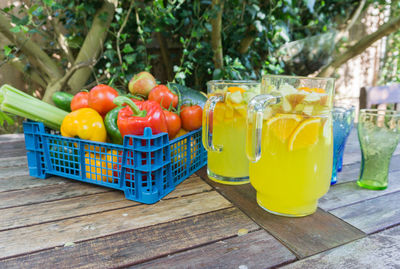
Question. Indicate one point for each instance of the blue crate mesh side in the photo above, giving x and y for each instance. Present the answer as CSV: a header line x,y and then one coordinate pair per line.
x,y
179,158
102,163
146,167
63,155
148,187
187,155
35,149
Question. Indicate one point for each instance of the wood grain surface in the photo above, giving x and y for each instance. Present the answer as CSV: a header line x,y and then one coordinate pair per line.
x,y
62,223
372,215
144,244
304,236
380,250
253,250
350,193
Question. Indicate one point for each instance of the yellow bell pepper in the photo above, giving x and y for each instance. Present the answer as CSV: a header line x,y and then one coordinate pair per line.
x,y
86,123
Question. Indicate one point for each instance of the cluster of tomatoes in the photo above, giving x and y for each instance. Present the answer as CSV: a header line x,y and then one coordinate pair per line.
x,y
181,115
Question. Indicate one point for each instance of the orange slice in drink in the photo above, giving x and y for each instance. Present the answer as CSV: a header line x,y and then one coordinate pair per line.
x,y
282,125
305,134
236,89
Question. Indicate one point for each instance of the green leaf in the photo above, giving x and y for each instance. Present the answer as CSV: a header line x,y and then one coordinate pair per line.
x,y
127,48
7,50
16,29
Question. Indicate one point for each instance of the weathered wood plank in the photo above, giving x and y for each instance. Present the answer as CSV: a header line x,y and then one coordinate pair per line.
x,y
372,215
304,236
351,172
141,244
12,153
6,138
349,193
27,182
20,162
48,235
11,172
254,250
381,250
20,216
47,193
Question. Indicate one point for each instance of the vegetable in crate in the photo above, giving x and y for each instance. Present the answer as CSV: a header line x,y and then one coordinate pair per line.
x,y
100,166
85,123
174,123
18,103
62,100
110,122
188,94
136,116
191,117
164,96
80,100
101,98
142,83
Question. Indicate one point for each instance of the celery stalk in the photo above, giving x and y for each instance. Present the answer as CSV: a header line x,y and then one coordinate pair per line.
x,y
15,102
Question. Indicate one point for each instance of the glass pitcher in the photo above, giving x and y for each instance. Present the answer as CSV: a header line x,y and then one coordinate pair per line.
x,y
224,129
290,144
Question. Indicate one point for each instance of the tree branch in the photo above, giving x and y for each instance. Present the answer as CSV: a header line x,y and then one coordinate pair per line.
x,y
57,85
246,42
360,46
216,41
30,49
20,65
93,43
165,55
351,21
62,41
121,29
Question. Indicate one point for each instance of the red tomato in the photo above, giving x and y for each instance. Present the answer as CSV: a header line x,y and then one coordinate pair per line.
x,y
191,117
173,123
101,98
80,100
162,95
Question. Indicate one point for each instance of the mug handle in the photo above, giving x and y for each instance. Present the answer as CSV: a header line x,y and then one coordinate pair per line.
x,y
255,117
208,122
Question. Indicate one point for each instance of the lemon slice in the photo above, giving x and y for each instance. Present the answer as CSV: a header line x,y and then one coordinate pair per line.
x,y
305,135
236,89
282,125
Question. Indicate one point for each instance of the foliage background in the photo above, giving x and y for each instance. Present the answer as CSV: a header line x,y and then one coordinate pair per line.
x,y
173,38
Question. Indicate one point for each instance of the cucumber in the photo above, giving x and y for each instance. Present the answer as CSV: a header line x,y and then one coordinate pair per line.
x,y
188,94
62,100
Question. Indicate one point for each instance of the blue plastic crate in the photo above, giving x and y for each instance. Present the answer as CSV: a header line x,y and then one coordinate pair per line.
x,y
146,167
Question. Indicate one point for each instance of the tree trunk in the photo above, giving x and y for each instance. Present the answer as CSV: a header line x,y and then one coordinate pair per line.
x,y
42,61
93,44
216,42
361,46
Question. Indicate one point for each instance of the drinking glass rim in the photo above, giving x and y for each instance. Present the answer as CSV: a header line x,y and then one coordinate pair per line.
x,y
233,82
297,77
375,111
344,108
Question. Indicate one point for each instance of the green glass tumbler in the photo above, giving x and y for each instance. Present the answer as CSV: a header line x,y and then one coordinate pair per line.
x,y
379,135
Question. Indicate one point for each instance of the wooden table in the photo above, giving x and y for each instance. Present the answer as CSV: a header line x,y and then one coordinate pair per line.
x,y
61,223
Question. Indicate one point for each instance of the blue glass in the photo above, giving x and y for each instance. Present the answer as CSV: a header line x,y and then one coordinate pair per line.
x,y
343,119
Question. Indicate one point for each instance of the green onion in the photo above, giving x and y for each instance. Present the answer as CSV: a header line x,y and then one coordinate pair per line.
x,y
15,102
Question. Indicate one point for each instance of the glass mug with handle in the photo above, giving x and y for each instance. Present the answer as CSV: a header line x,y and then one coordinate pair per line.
x,y
290,144
224,129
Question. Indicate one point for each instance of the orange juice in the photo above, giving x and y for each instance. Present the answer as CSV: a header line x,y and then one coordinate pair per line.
x,y
229,130
224,130
295,165
290,143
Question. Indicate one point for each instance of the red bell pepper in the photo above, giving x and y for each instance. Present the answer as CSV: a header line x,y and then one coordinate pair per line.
x,y
137,115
